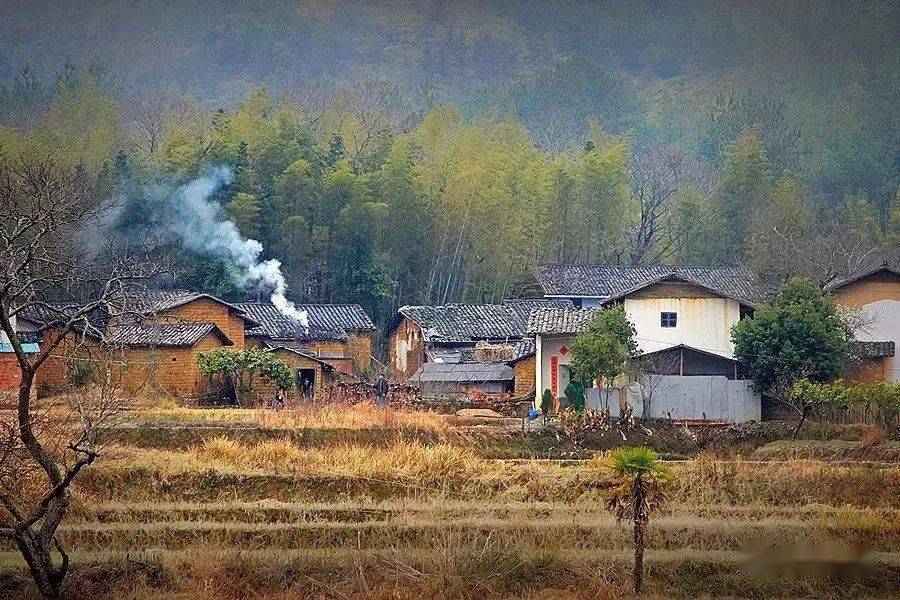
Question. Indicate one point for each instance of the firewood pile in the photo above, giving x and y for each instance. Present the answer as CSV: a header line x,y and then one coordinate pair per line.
x,y
405,396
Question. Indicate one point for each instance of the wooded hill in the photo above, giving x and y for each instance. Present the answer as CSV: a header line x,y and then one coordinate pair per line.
x,y
409,153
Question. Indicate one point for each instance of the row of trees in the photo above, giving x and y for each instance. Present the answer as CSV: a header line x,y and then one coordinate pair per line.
x,y
364,202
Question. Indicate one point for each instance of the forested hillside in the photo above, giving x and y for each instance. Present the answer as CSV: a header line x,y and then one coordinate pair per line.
x,y
434,152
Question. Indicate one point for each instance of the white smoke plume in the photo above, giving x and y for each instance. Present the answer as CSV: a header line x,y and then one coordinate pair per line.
x,y
199,225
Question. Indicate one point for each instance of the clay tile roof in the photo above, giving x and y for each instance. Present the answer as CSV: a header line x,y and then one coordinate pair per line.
x,y
839,283
524,348
326,321
150,302
175,335
466,323
36,318
866,350
559,320
610,282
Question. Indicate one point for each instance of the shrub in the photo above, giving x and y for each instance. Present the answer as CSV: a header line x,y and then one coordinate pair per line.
x,y
825,400
546,402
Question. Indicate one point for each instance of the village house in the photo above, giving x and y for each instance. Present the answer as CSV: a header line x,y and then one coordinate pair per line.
x,y
682,316
875,293
340,335
465,333
10,374
159,337
450,332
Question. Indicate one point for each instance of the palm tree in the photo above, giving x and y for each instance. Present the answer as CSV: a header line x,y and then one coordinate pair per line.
x,y
639,494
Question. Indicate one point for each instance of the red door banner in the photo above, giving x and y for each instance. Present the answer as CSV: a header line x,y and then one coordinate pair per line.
x,y
554,375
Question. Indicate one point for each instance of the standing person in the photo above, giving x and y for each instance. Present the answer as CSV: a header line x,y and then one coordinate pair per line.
x,y
278,400
381,388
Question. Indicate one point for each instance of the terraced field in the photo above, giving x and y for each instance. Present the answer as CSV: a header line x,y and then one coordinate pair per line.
x,y
256,516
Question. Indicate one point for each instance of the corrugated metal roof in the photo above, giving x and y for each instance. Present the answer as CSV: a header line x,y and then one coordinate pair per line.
x,y
463,372
28,348
610,282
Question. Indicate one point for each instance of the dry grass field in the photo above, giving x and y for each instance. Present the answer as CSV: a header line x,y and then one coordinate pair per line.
x,y
259,505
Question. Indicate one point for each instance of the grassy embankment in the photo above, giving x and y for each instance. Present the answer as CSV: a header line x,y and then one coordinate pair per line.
x,y
410,516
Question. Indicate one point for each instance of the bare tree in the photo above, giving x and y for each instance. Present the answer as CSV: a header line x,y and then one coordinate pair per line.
x,y
373,104
51,274
655,176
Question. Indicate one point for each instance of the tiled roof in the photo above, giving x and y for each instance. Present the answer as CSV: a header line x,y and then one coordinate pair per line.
x,y
466,323
175,335
523,306
150,302
524,348
559,320
35,318
838,283
873,349
463,372
610,282
326,321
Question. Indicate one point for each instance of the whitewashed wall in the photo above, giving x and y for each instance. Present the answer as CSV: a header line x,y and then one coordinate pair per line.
x,y
882,324
703,323
550,346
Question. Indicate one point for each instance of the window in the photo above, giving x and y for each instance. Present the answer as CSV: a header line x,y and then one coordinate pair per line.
x,y
668,319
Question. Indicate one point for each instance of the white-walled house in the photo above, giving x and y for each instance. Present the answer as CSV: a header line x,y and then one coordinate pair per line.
x,y
683,315
876,294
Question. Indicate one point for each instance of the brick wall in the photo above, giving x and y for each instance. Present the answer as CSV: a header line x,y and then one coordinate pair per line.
x,y
264,390
524,376
359,349
171,370
869,371
204,310
327,348
10,376
53,374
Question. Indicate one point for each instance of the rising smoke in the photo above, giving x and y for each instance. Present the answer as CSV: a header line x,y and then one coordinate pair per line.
x,y
199,225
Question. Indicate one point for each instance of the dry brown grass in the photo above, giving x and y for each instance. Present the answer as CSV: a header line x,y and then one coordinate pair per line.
x,y
474,573
328,416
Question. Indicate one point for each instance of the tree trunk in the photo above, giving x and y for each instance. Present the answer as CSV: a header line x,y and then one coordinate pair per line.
x,y
640,525
36,548
35,540
803,415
